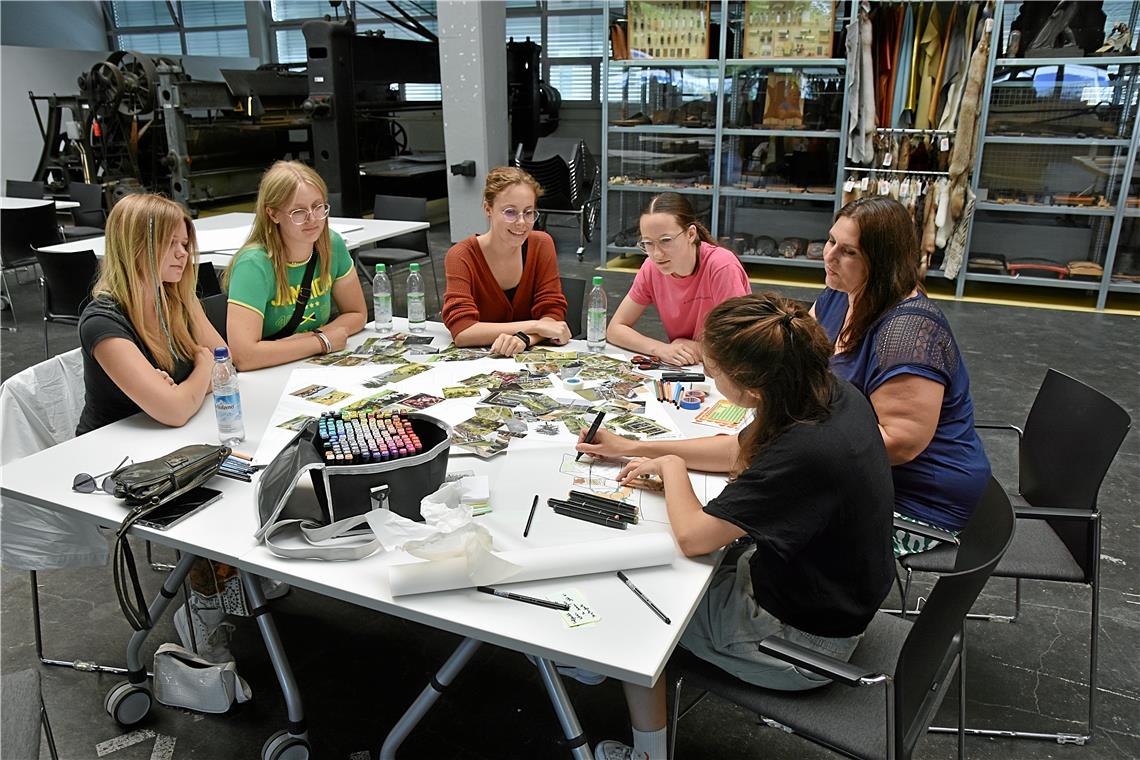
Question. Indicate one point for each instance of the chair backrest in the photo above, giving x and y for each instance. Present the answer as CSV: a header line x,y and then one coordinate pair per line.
x,y
575,291
1071,436
208,284
931,648
68,278
22,188
216,307
90,199
403,209
24,227
553,174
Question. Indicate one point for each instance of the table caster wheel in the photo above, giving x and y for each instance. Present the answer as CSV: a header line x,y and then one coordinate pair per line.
x,y
283,746
127,704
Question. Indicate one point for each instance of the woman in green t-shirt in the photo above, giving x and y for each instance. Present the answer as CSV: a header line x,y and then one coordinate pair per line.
x,y
266,275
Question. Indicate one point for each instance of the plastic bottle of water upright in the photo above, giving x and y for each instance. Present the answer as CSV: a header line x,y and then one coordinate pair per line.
x,y
382,300
596,318
227,399
417,312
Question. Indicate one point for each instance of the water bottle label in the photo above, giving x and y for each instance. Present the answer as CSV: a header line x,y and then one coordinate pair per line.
x,y
228,408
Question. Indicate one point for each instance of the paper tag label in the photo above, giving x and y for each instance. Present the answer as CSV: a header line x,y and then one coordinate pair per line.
x,y
865,183
887,159
849,185
580,611
944,145
884,187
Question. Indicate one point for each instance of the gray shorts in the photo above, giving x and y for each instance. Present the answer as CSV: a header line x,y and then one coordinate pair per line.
x,y
728,626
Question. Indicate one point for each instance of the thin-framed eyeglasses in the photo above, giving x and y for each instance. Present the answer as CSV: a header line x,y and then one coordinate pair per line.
x,y
512,215
299,216
664,242
84,483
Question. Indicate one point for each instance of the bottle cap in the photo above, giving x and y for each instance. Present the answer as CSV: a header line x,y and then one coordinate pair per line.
x,y
379,268
414,267
597,280
221,353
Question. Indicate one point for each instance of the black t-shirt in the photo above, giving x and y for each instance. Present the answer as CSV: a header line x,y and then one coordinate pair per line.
x,y
818,502
105,402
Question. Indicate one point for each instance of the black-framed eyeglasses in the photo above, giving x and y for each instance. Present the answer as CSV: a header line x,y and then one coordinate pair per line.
x,y
299,216
84,483
512,215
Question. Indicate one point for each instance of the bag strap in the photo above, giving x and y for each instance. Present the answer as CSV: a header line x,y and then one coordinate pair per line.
x,y
302,301
329,542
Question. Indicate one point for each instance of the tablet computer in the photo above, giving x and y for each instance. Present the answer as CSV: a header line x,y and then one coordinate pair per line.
x,y
180,508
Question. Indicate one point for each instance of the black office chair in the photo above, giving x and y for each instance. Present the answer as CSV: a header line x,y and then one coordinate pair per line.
x,y
912,660
22,188
574,290
90,219
208,283
21,230
65,286
216,307
402,249
571,185
1070,438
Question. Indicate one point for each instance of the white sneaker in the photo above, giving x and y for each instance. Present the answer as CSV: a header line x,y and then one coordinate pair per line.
x,y
615,750
581,675
211,633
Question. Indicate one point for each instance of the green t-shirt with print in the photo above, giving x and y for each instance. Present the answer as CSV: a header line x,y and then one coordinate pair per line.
x,y
254,286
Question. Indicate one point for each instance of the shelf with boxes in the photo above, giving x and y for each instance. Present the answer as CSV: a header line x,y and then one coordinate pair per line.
x,y
752,141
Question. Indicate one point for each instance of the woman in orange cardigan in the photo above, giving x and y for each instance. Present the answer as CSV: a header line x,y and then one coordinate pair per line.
x,y
503,288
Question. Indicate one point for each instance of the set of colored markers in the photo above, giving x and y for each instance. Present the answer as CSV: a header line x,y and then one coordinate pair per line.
x,y
596,509
366,436
237,467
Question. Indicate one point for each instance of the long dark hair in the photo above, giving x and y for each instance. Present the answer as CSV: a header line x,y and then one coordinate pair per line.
x,y
771,346
678,207
889,247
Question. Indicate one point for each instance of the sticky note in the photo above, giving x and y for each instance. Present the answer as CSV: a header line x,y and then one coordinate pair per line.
x,y
580,611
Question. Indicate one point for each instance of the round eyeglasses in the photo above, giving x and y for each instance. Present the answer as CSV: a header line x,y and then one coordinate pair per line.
x,y
512,215
84,483
665,242
299,216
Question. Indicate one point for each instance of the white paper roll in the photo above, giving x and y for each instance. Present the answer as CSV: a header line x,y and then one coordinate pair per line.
x,y
625,553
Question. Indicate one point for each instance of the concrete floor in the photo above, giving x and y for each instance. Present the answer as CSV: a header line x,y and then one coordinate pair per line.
x,y
359,670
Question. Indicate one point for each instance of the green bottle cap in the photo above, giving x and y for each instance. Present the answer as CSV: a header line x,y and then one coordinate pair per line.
x,y
379,268
597,279
414,267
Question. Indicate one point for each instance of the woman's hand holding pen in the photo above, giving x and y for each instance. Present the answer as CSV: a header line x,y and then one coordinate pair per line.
x,y
605,444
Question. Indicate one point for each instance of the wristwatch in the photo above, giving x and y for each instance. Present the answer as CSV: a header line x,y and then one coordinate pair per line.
x,y
523,337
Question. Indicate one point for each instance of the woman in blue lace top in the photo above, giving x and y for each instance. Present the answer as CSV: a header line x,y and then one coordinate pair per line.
x,y
896,346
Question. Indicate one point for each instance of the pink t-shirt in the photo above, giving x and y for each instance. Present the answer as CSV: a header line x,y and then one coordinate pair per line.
x,y
684,302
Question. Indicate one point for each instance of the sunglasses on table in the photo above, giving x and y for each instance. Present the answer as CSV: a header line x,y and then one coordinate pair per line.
x,y
84,483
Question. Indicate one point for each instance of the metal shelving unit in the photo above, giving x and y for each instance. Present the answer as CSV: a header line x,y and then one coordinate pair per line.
x,y
726,12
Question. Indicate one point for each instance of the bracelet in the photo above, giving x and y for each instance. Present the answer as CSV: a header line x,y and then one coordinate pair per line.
x,y
326,344
523,337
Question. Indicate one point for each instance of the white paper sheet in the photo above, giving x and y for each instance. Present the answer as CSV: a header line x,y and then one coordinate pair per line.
x,y
625,553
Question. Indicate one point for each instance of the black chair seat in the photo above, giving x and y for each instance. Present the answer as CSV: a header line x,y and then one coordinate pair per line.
x,y
848,719
1036,552
82,233
374,256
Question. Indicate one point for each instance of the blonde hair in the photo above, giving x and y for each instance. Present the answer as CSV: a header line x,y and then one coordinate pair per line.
x,y
502,177
278,186
139,231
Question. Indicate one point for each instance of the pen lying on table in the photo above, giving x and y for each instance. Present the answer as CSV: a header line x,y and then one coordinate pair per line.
x,y
610,519
528,599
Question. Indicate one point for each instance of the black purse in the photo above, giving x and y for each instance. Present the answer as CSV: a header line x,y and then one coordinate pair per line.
x,y
146,486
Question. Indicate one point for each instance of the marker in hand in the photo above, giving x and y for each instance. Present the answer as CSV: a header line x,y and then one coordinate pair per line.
x,y
591,432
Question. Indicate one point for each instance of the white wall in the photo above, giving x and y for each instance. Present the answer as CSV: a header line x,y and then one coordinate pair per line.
x,y
76,25
47,71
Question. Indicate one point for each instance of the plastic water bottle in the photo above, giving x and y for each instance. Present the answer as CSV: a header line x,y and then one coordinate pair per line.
x,y
596,318
417,312
227,398
382,300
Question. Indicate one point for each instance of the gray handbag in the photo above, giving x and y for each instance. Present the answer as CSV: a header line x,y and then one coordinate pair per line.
x,y
331,519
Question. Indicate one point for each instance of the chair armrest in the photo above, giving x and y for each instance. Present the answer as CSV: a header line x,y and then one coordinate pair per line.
x,y
995,425
926,531
819,663
1062,513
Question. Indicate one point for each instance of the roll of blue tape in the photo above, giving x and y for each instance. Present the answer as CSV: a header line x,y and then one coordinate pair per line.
x,y
573,383
690,402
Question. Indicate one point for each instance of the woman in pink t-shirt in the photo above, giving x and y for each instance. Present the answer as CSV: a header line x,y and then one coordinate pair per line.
x,y
686,276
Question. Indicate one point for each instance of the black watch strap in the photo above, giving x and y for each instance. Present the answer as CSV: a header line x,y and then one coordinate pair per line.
x,y
523,337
